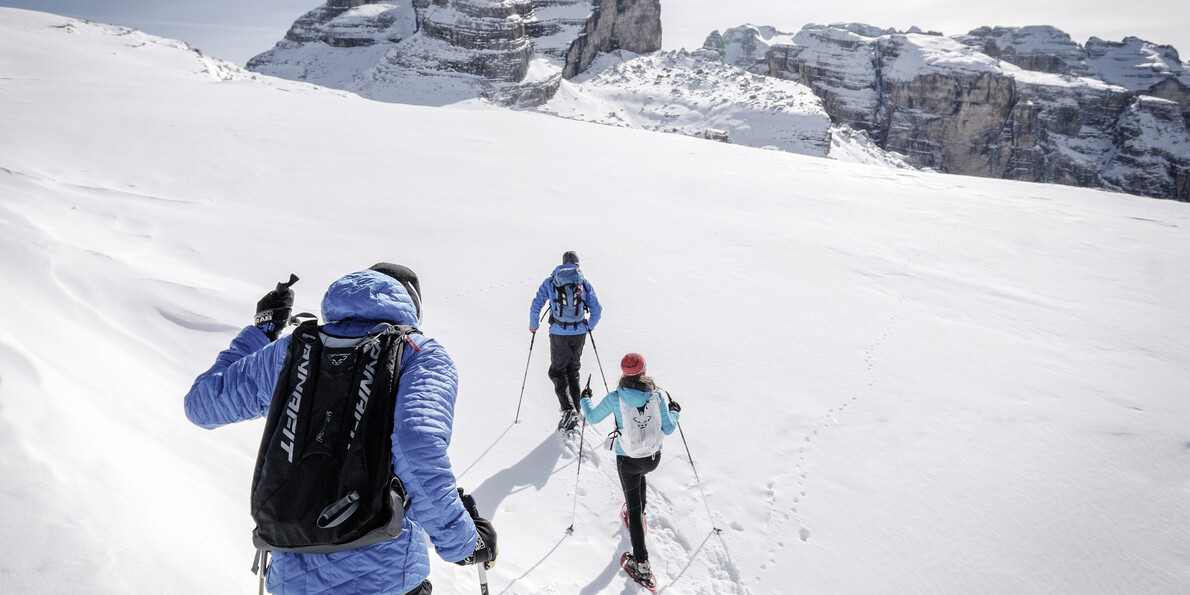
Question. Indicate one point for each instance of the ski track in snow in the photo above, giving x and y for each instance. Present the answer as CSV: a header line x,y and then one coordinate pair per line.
x,y
552,465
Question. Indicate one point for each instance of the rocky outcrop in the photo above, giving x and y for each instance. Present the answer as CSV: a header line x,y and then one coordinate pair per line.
x,y
841,67
1036,48
441,51
353,23
747,47
1152,150
1019,103
634,26
482,38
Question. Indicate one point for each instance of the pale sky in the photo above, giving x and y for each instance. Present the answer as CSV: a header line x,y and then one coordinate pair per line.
x,y
236,30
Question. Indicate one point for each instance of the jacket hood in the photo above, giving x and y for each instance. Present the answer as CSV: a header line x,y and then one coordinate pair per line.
x,y
565,265
368,296
634,397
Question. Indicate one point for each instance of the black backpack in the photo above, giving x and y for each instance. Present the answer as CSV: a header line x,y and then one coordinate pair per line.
x,y
324,479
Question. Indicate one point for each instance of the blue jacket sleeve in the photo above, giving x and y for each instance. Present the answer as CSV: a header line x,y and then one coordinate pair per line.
x,y
421,434
592,305
608,406
240,384
539,301
669,419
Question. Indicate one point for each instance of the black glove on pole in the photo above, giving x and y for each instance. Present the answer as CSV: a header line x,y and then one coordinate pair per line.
x,y
485,547
273,310
673,405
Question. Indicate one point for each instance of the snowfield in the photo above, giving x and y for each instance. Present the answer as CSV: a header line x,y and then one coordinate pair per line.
x,y
892,381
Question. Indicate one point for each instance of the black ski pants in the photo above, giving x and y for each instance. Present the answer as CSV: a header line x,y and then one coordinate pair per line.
x,y
565,353
632,480
425,588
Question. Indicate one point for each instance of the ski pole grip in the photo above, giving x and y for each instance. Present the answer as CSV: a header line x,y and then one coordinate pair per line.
x,y
469,503
283,287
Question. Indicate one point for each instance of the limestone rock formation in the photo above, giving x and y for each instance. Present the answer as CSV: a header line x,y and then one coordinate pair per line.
x,y
1037,48
442,51
1020,103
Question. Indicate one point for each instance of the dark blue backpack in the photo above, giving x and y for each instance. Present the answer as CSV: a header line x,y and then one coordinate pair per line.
x,y
568,308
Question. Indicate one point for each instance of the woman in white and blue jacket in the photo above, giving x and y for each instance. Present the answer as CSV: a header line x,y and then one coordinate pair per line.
x,y
240,387
636,405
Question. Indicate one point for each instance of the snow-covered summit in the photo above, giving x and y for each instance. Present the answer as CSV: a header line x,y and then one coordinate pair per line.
x,y
1040,48
747,46
908,56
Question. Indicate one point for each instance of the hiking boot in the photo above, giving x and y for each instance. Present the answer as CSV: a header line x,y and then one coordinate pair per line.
x,y
639,571
644,571
569,420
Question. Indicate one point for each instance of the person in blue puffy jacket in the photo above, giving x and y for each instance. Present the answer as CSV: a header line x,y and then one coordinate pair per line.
x,y
570,298
240,387
644,416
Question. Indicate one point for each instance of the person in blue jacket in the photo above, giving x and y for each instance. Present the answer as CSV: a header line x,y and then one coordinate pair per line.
x,y
644,416
570,297
240,387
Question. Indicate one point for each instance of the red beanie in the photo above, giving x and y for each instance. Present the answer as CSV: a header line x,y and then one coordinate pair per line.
x,y
633,364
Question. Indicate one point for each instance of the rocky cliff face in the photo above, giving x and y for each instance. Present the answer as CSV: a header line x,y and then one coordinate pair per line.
x,y
1038,48
1020,103
1139,66
442,51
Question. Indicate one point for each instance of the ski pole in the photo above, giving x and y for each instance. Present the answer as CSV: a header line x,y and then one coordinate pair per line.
x,y
596,349
582,440
700,489
261,567
483,578
524,380
517,419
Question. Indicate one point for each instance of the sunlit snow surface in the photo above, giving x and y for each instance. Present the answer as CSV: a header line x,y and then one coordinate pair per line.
x,y
892,381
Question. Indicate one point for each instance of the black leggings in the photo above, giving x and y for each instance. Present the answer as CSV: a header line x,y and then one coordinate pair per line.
x,y
632,480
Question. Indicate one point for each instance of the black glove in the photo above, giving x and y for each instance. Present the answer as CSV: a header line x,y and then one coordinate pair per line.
x,y
673,406
485,546
273,310
587,394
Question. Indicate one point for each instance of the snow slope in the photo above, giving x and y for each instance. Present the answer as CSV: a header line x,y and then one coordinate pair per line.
x,y
893,381
695,94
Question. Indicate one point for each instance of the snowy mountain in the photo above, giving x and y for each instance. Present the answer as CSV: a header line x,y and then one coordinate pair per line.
x,y
696,94
1018,103
1023,103
892,381
436,53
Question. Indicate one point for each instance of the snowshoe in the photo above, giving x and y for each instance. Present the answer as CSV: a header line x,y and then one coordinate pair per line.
x,y
569,420
639,572
644,518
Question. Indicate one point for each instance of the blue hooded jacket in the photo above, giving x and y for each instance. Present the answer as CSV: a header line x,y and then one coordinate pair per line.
x,y
636,398
240,386
545,293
